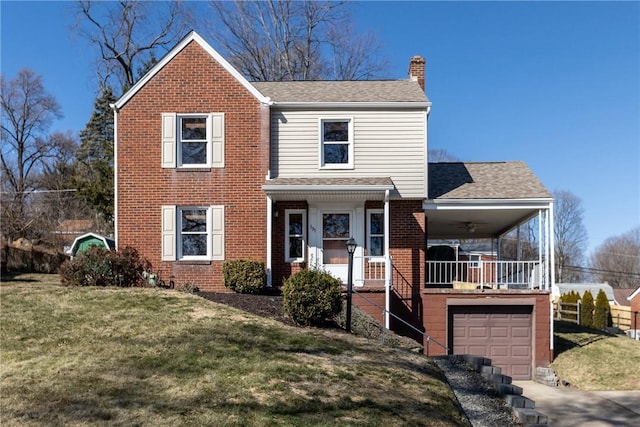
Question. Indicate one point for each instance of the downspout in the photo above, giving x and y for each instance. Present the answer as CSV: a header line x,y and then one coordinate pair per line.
x,y
388,266
269,239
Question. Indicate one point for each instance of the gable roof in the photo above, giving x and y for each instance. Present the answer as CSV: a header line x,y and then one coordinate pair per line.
x,y
357,91
191,37
622,294
634,294
484,180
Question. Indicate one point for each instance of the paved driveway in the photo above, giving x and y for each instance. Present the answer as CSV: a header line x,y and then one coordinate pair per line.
x,y
568,407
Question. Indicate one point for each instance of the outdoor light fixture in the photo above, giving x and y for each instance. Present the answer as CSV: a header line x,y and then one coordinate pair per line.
x,y
351,248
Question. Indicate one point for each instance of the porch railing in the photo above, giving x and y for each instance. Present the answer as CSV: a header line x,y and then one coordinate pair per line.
x,y
372,270
493,274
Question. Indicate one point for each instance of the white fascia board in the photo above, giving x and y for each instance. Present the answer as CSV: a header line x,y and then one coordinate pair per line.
x,y
330,105
488,204
192,36
633,295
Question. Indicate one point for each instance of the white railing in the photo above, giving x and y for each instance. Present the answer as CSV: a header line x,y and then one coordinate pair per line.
x,y
494,274
373,270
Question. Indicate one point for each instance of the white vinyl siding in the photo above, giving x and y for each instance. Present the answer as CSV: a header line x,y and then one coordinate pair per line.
x,y
386,143
173,233
171,140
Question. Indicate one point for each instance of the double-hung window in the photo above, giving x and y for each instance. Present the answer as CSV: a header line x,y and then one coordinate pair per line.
x,y
193,140
336,143
295,235
192,233
375,233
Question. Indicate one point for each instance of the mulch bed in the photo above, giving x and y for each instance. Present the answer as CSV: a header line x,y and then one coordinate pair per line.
x,y
269,306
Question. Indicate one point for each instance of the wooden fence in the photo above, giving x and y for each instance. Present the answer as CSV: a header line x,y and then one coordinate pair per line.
x,y
621,316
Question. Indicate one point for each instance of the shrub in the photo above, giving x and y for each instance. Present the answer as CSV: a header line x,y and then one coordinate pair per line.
x,y
98,266
311,297
244,276
586,310
602,314
570,298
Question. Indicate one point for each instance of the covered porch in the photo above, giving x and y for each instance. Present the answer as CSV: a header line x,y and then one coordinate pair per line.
x,y
489,226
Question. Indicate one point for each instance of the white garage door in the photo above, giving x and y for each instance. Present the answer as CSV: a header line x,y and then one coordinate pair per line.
x,y
501,333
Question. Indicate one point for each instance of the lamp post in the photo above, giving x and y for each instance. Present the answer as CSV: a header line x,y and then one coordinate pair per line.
x,y
351,248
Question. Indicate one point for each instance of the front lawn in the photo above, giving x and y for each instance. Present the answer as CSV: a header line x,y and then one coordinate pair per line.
x,y
593,360
77,356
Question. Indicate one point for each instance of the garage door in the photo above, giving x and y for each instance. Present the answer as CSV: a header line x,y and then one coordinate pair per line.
x,y
501,333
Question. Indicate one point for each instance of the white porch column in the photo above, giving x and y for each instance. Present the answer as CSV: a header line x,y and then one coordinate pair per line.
x,y
388,266
552,272
269,238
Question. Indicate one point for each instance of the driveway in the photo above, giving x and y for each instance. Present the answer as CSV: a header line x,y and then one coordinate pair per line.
x,y
568,407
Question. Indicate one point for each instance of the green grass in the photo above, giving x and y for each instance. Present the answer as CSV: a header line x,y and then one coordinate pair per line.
x,y
593,360
105,356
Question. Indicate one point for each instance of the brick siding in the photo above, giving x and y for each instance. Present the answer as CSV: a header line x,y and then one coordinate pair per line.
x,y
192,82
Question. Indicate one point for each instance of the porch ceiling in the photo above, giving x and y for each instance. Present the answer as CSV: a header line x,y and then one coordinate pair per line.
x,y
478,219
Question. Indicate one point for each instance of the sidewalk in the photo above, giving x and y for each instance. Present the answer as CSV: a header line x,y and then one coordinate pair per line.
x,y
568,407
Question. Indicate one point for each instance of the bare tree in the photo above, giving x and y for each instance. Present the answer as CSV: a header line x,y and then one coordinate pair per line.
x,y
294,40
570,236
128,34
440,155
27,113
617,260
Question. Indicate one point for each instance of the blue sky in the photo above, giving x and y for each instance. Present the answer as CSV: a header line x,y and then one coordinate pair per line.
x,y
556,84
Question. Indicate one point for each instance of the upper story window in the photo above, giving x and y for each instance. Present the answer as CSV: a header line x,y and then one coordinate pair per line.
x,y
193,140
375,232
336,143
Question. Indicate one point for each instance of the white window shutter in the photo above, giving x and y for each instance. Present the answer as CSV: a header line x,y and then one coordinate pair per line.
x,y
217,139
217,233
169,140
168,233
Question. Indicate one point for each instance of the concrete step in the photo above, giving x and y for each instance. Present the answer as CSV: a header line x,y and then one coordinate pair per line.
x,y
531,417
508,389
519,401
489,369
497,378
476,362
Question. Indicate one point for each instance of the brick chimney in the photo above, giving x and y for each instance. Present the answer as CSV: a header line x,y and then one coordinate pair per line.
x,y
416,70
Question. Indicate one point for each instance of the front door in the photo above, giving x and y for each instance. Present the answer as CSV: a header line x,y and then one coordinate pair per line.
x,y
336,230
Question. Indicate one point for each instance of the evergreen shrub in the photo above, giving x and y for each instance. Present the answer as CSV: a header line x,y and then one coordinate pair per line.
x,y
244,276
586,310
311,297
602,314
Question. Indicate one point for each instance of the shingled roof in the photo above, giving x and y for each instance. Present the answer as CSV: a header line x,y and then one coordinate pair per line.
x,y
342,91
484,180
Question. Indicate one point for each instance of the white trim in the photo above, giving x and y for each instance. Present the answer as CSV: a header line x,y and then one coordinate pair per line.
x,y
195,37
375,258
487,204
269,241
634,294
287,212
322,165
115,173
179,235
319,188
332,105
